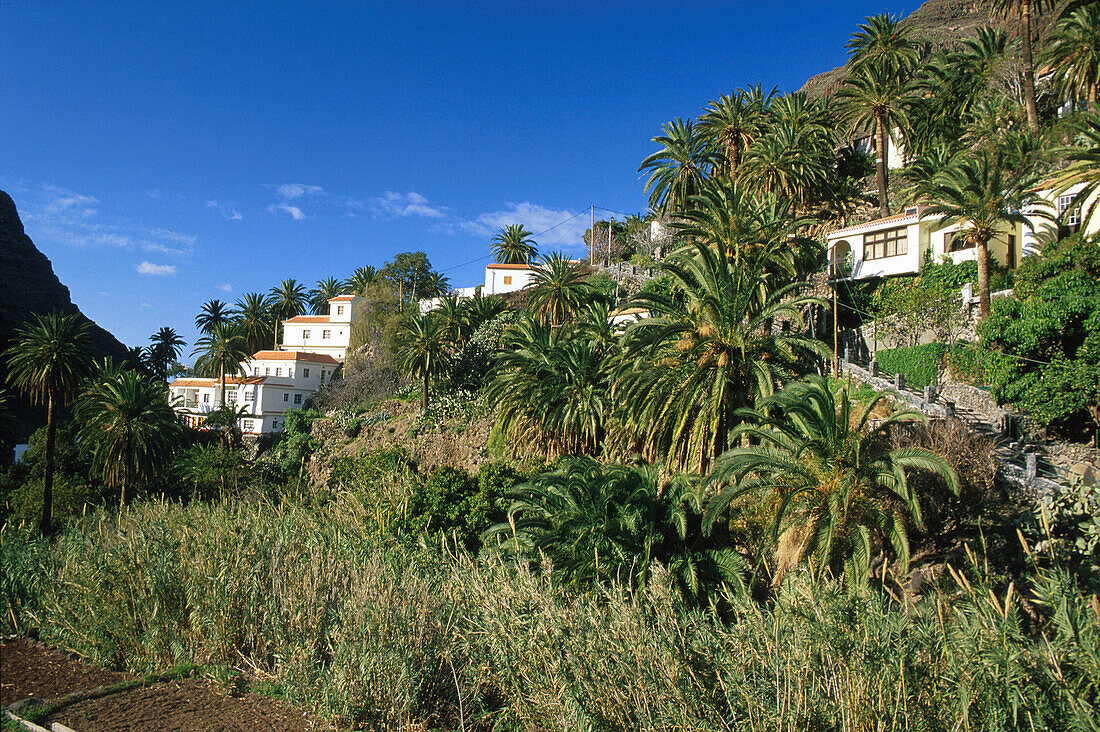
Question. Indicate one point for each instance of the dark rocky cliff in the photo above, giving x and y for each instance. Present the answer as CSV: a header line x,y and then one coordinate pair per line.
x,y
29,286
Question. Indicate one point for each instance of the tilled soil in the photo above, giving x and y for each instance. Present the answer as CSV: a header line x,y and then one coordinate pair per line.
x,y
188,705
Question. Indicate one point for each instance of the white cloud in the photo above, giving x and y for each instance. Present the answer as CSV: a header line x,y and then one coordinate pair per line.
x,y
155,193
157,270
69,204
226,287
392,203
227,210
234,215
555,228
294,211
297,190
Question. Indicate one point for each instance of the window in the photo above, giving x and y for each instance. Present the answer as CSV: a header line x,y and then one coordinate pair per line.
x,y
267,371
305,373
231,396
278,371
339,309
290,373
326,334
246,425
274,424
286,397
322,374
959,242
892,243
508,279
205,398
305,334
1069,216
256,371
297,398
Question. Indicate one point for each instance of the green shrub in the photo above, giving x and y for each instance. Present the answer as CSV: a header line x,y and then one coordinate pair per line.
x,y
919,364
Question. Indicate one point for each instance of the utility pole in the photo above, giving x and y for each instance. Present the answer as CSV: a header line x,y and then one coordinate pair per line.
x,y
609,241
592,236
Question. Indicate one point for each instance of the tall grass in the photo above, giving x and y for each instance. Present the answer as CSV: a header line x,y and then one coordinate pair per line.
x,y
387,639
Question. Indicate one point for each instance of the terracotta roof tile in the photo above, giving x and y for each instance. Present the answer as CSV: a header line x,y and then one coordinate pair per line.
x,y
497,265
308,319
294,356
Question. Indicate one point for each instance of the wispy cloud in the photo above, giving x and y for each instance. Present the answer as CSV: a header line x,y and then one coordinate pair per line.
x,y
294,211
297,190
228,210
157,270
556,228
226,287
155,193
393,203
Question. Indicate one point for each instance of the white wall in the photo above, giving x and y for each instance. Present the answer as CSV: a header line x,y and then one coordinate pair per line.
x,y
495,283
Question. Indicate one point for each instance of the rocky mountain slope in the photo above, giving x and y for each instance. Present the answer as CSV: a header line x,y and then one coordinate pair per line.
x,y
29,286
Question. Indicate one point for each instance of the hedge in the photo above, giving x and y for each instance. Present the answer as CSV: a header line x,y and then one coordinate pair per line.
x,y
919,364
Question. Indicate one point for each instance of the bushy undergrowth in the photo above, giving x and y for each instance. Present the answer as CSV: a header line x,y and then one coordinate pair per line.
x,y
405,639
919,364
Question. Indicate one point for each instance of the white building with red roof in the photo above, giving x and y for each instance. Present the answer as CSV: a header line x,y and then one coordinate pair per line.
x,y
330,334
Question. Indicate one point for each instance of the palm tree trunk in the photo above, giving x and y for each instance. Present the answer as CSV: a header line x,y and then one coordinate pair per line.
x,y
46,524
982,255
1029,68
880,165
221,397
424,396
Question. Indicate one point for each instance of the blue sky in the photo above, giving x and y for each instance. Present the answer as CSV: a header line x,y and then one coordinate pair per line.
x,y
166,154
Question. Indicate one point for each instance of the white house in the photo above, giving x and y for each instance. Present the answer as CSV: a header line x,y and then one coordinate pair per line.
x,y
1069,216
502,278
329,334
625,316
273,382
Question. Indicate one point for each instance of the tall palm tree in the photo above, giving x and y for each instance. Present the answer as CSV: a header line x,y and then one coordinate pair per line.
x,y
679,168
734,121
129,427
212,313
1020,12
325,290
791,161
513,245
879,103
883,43
453,317
1073,51
976,192
47,361
165,347
286,301
253,320
835,488
422,350
558,290
221,353
480,309
360,280
437,285
684,374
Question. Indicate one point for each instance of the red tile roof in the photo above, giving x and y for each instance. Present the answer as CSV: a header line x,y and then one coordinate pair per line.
x,y
216,382
308,319
896,218
294,356
341,298
497,265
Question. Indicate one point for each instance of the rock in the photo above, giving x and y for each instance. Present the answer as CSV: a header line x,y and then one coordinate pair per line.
x,y
23,704
30,287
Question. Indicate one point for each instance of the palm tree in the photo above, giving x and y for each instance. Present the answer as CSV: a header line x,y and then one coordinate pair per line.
x,y
1022,11
165,348
734,121
286,301
836,490
360,280
422,350
678,170
480,309
552,388
878,103
513,245
253,320
221,352
601,523
791,161
882,43
684,374
129,427
1073,51
558,290
46,362
453,317
212,313
437,285
325,290
976,192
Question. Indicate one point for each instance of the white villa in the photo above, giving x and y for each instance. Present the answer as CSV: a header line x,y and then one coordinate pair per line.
x,y
273,382
897,245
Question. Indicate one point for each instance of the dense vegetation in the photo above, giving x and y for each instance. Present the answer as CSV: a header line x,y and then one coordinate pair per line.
x,y
700,529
